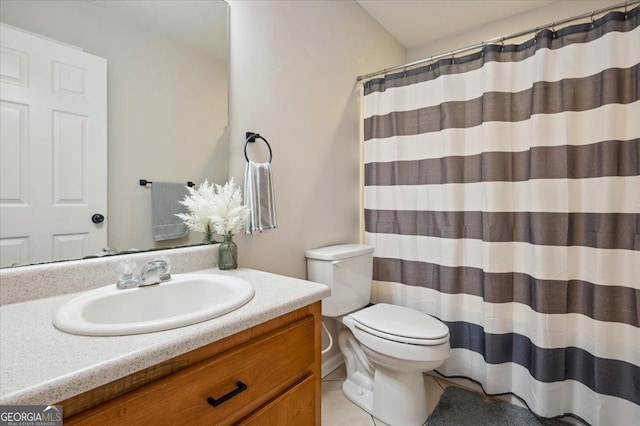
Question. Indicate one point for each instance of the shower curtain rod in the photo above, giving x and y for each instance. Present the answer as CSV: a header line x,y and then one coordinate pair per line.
x,y
499,39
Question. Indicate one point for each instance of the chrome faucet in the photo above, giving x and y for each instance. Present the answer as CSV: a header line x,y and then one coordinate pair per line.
x,y
154,272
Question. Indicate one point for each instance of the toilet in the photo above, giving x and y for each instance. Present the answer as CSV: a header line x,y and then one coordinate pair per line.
x,y
386,347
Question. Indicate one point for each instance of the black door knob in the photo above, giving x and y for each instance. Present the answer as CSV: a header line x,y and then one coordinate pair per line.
x,y
97,218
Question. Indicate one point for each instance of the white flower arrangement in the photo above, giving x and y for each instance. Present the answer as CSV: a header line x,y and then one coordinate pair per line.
x,y
215,208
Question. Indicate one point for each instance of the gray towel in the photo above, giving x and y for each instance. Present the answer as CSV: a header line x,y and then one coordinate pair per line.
x,y
259,197
165,197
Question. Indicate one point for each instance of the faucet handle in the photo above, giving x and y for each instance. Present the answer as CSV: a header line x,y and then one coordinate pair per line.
x,y
126,274
165,265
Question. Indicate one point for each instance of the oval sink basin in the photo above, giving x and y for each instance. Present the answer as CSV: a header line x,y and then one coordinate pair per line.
x,y
184,300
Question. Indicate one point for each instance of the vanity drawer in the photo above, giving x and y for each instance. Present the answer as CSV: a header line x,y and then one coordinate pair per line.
x,y
268,365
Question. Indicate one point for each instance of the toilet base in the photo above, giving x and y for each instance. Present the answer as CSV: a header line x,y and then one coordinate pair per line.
x,y
363,398
400,397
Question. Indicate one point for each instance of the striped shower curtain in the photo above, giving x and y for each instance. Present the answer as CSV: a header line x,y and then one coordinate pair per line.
x,y
502,196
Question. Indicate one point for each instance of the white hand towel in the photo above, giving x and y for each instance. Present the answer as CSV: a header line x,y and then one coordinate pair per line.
x,y
259,197
165,198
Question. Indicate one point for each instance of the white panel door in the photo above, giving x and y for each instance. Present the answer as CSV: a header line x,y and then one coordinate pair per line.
x,y
53,150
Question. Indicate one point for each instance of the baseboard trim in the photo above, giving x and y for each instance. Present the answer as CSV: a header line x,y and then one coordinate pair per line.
x,y
330,364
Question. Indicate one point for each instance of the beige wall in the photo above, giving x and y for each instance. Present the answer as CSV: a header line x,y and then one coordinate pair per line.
x,y
293,68
167,108
531,19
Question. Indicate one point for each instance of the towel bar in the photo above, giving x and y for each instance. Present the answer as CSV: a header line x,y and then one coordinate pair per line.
x,y
144,182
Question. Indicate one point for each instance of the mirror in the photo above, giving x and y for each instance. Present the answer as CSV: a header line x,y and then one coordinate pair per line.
x,y
167,100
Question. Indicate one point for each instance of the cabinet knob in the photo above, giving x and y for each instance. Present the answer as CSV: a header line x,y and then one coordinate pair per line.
x,y
240,387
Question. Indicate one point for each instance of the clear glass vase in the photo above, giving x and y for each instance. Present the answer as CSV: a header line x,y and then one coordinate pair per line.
x,y
208,236
228,253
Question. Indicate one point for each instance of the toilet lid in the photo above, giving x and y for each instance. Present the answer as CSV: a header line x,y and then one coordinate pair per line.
x,y
400,324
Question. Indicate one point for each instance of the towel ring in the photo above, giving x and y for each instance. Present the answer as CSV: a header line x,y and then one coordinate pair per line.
x,y
251,137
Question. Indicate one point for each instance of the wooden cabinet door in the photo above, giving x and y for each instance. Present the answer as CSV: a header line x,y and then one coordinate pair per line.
x,y
296,407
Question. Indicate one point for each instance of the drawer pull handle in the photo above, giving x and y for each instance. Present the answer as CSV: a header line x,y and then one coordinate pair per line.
x,y
241,387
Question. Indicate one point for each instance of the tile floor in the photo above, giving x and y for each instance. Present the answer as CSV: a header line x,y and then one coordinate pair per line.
x,y
337,410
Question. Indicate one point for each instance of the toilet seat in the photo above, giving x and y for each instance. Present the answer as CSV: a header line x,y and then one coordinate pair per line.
x,y
401,324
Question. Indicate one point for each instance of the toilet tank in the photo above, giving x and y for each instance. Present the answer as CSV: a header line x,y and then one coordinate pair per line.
x,y
347,269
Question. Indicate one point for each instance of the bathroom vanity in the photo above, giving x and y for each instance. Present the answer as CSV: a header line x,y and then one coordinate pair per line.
x,y
259,364
268,374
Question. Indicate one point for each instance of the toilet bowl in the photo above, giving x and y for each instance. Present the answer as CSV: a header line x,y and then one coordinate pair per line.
x,y
399,344
386,347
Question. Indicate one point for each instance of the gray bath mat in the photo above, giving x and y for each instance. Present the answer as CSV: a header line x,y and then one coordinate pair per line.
x,y
459,406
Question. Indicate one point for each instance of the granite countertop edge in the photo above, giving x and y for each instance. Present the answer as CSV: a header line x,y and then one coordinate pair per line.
x,y
275,295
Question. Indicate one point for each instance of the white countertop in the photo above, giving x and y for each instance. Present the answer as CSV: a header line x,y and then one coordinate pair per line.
x,y
41,365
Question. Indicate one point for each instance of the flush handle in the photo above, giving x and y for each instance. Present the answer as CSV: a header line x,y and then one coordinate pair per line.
x,y
240,387
336,263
